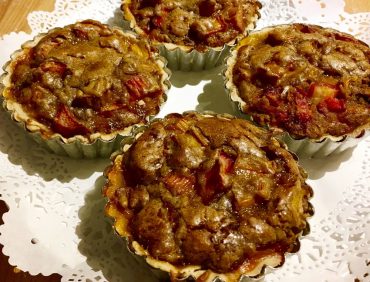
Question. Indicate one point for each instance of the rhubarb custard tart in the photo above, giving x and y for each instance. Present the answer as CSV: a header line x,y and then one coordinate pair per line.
x,y
310,82
81,88
192,34
207,196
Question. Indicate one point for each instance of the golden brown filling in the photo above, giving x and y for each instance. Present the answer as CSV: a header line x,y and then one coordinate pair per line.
x,y
209,191
305,79
198,23
87,78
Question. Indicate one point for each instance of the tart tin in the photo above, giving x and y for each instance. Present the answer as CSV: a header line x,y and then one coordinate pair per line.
x,y
186,58
164,270
101,145
305,148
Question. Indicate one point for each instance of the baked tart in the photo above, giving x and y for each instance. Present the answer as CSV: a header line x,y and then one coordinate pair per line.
x,y
192,34
208,196
312,83
81,88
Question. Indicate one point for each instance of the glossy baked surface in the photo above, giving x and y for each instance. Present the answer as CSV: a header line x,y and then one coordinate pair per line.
x,y
86,79
211,191
197,23
307,80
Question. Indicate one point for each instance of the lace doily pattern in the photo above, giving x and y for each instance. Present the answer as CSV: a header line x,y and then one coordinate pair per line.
x,y
68,12
49,195
338,245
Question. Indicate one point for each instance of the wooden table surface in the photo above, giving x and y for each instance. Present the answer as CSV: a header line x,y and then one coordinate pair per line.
x,y
13,17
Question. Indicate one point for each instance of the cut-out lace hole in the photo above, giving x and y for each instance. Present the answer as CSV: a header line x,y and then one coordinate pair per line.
x,y
34,241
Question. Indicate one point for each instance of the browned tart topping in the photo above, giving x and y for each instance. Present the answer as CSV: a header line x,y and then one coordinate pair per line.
x,y
198,23
211,191
305,79
87,78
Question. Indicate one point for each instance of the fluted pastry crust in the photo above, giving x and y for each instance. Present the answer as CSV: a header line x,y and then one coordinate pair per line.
x,y
306,80
85,81
207,195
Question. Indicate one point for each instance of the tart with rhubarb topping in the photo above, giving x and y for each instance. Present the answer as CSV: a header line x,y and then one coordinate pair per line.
x,y
310,82
206,196
192,34
81,88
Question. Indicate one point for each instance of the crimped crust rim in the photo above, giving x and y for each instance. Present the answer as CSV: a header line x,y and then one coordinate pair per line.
x,y
233,92
32,126
267,264
129,17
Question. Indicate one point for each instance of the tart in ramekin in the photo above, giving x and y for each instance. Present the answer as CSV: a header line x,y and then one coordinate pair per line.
x,y
310,82
208,196
81,88
192,34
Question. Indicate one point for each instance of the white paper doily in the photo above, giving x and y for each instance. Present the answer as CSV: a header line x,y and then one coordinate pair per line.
x,y
56,224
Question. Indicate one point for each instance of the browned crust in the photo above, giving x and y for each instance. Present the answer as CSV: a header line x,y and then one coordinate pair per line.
x,y
43,132
234,95
116,180
128,16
